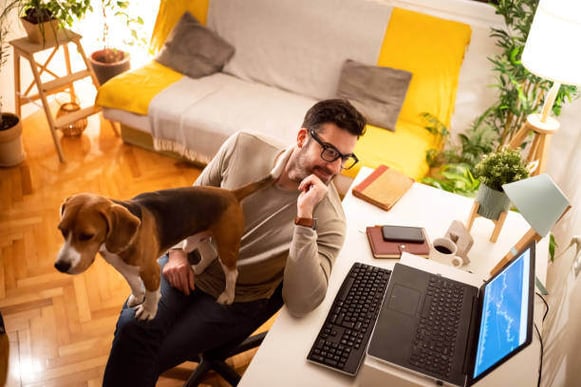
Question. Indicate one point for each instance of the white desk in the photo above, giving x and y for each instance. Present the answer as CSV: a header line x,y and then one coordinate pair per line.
x,y
281,359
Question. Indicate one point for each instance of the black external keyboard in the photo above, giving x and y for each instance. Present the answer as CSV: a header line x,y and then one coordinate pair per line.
x,y
342,341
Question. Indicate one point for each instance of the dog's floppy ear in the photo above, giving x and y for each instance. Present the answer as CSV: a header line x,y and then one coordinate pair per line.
x,y
62,208
123,226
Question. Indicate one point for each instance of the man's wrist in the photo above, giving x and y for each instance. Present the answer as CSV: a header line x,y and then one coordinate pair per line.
x,y
306,222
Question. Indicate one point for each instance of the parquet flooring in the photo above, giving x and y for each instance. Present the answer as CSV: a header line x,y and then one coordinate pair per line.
x,y
60,327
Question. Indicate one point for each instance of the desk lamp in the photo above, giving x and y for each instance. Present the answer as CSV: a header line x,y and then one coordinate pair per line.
x,y
541,202
550,53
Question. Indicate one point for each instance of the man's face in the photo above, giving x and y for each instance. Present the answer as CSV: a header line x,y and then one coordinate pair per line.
x,y
309,159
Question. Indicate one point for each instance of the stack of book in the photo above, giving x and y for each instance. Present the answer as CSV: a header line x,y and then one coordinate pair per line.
x,y
393,247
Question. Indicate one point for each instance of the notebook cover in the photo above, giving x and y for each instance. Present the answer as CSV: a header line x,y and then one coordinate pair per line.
x,y
381,248
383,187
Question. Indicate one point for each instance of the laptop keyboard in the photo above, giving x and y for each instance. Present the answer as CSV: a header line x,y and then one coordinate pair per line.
x,y
435,339
343,338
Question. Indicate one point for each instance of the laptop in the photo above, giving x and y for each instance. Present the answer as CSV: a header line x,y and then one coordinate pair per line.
x,y
489,324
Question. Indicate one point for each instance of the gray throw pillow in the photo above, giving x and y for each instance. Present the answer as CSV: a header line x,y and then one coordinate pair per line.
x,y
377,92
194,50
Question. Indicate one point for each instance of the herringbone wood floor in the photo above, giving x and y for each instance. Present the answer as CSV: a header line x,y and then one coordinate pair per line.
x,y
60,327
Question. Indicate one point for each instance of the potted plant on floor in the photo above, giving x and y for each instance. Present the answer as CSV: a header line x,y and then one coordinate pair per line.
x,y
11,152
43,19
109,61
494,170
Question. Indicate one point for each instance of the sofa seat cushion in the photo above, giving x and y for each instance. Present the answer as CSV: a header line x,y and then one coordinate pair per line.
x,y
193,117
404,150
133,90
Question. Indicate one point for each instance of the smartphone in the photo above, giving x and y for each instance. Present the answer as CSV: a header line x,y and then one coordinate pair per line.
x,y
403,234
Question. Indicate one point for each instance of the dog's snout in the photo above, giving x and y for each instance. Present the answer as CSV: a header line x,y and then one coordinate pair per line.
x,y
63,267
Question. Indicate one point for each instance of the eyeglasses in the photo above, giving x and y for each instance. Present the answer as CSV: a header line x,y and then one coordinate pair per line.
x,y
329,153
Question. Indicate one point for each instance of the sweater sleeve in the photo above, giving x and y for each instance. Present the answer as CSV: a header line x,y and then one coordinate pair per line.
x,y
311,257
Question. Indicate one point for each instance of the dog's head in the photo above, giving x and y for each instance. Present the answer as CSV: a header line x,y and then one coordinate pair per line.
x,y
89,222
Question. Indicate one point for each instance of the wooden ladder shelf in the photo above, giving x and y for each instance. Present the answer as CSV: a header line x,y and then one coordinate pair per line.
x,y
23,48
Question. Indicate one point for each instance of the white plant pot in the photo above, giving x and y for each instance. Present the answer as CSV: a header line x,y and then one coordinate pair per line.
x,y
11,150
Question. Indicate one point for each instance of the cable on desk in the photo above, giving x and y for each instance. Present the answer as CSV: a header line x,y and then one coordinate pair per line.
x,y
546,305
541,338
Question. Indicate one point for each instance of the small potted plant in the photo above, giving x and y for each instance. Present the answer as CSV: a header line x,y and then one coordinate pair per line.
x,y
11,152
43,19
109,61
494,170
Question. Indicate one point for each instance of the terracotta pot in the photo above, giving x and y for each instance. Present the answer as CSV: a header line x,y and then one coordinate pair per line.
x,y
107,70
492,202
46,32
11,151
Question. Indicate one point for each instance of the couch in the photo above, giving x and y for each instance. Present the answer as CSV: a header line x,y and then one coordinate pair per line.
x,y
287,55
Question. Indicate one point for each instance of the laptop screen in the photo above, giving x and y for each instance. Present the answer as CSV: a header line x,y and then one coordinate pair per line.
x,y
507,313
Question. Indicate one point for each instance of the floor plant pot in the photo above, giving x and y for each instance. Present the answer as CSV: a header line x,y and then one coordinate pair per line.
x,y
11,151
108,63
492,202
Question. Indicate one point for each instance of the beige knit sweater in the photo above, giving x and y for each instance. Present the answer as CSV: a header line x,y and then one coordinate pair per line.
x,y
272,247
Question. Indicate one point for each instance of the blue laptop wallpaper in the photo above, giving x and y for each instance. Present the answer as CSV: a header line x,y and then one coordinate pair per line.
x,y
505,314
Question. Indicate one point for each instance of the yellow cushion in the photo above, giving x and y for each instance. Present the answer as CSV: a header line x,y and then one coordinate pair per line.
x,y
168,15
133,90
432,49
404,149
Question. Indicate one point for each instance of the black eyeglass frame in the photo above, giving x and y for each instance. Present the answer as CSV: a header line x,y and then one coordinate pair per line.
x,y
325,147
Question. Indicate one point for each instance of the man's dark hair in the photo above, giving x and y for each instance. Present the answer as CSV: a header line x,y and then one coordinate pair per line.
x,y
337,111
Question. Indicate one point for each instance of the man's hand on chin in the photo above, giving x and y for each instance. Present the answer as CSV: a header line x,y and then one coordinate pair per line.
x,y
313,190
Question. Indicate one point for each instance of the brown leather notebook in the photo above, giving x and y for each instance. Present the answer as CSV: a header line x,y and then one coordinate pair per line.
x,y
393,249
383,187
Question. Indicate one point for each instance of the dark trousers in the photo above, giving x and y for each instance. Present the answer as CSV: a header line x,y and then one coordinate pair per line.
x,y
184,326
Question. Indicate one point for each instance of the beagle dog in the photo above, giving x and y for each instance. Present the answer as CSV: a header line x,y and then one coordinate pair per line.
x,y
132,234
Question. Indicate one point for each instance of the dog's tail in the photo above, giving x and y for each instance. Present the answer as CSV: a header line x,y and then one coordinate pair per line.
x,y
249,189
274,174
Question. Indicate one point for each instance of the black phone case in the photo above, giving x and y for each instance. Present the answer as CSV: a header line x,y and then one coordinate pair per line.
x,y
403,234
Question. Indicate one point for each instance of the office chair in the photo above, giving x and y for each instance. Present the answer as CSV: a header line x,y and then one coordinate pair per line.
x,y
216,360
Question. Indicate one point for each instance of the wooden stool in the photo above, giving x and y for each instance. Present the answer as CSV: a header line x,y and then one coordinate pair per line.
x,y
539,149
497,223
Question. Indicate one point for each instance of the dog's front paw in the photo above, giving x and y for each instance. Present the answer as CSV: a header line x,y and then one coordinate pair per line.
x,y
148,309
225,299
142,313
135,300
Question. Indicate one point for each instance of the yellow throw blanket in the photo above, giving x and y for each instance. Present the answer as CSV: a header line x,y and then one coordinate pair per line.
x,y
132,91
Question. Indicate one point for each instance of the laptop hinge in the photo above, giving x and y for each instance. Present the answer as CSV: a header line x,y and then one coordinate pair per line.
x,y
474,327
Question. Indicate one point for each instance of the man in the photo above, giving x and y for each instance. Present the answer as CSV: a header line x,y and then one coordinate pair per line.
x,y
294,231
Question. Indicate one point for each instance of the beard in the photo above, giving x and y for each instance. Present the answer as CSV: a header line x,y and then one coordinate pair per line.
x,y
301,168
